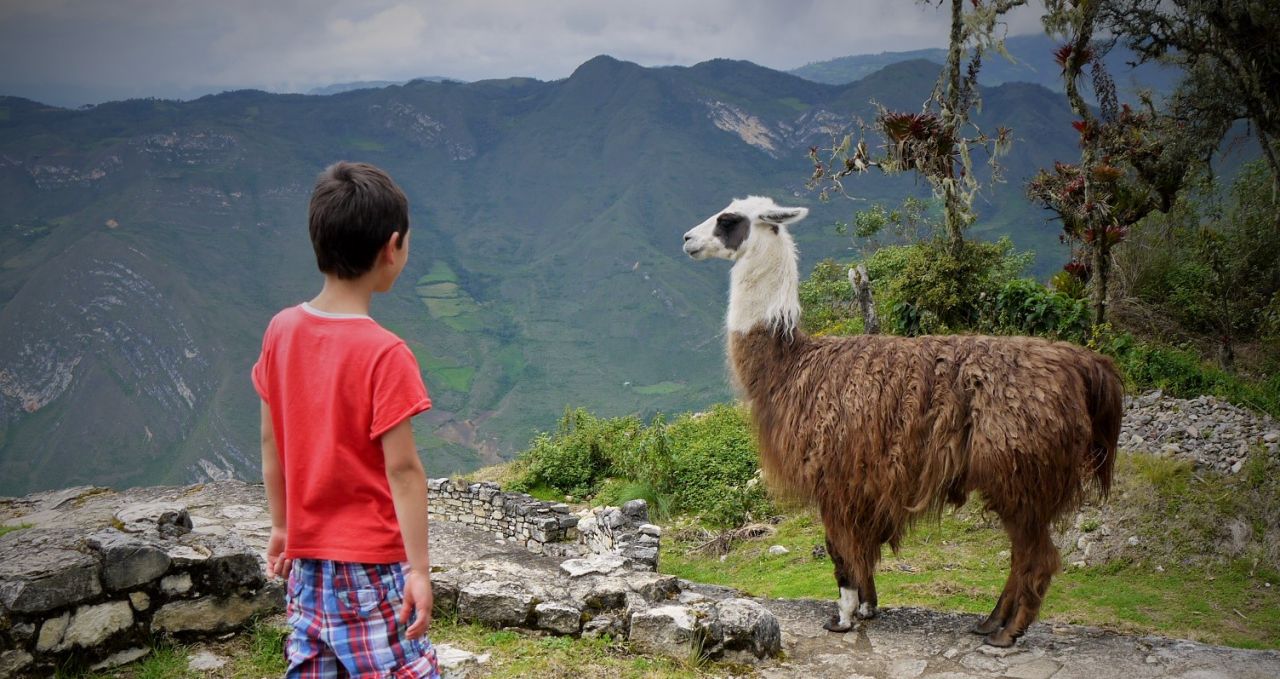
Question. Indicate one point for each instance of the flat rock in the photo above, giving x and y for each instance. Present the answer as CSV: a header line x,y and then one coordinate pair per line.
x,y
603,564
456,663
119,658
205,661
213,614
42,570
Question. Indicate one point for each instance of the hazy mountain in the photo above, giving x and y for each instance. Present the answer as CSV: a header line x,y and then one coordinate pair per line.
x,y
339,88
146,243
1032,63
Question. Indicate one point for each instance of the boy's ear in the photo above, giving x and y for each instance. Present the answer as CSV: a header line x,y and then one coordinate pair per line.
x,y
394,243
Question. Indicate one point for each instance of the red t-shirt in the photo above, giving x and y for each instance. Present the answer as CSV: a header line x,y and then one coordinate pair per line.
x,y
336,383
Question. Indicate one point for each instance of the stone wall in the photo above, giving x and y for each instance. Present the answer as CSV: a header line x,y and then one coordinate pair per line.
x,y
90,576
549,527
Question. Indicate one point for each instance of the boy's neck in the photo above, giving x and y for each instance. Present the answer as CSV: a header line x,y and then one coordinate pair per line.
x,y
340,296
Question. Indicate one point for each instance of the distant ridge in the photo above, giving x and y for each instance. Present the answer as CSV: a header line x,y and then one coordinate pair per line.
x,y
1033,63
339,88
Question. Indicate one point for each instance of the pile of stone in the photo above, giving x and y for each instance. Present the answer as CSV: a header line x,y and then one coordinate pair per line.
x,y
93,575
1209,432
602,594
549,527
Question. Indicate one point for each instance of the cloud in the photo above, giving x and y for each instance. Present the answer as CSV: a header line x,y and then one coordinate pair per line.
x,y
141,47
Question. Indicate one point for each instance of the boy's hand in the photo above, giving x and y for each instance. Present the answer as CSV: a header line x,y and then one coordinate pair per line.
x,y
417,598
277,565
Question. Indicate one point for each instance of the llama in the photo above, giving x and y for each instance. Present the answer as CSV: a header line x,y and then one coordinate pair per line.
x,y
878,431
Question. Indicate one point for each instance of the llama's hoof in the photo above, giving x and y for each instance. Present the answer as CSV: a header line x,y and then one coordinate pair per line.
x,y
985,627
866,612
834,625
1000,639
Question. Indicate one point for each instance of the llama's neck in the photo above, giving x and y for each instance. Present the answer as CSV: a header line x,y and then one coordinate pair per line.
x,y
764,287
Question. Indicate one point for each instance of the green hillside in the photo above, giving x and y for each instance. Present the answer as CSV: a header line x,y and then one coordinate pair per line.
x,y
145,244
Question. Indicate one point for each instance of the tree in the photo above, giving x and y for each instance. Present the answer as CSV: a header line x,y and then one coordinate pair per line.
x,y
1211,265
1131,163
937,141
1229,52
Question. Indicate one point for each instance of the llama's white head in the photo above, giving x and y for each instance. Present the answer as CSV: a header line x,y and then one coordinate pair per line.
x,y
763,287
739,228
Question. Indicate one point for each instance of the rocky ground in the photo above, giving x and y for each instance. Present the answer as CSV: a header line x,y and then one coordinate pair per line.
x,y
902,642
1209,432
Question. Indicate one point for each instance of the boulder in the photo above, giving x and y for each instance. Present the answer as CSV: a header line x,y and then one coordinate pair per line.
x,y
128,560
667,630
742,627
557,617
495,602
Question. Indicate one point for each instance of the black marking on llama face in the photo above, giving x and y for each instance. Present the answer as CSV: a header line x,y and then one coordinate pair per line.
x,y
731,229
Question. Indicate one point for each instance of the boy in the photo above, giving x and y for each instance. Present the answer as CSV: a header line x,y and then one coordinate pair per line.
x,y
347,493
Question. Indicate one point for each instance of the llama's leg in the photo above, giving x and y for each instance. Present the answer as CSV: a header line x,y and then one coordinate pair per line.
x,y
1002,611
848,603
1005,605
866,581
1038,564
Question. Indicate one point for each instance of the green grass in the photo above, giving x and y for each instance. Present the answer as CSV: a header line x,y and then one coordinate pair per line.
x,y
1179,583
443,290
440,273
659,389
5,530
794,104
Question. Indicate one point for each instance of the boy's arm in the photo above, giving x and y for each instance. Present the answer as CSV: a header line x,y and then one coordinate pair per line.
x,y
273,480
408,484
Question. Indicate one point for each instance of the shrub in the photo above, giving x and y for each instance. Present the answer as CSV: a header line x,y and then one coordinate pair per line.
x,y
1182,373
714,467
936,292
703,464
1024,307
579,456
827,300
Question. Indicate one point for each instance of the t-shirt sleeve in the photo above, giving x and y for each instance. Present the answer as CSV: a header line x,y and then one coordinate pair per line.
x,y
398,391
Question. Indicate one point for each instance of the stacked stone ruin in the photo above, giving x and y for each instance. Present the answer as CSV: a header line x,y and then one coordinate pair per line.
x,y
549,527
90,576
91,580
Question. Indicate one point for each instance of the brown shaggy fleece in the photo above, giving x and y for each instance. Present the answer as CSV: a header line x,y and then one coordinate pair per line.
x,y
880,430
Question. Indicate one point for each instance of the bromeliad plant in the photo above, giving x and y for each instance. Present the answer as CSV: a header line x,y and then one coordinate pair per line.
x,y
1131,163
935,142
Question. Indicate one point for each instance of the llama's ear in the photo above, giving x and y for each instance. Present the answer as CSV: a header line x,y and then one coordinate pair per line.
x,y
784,215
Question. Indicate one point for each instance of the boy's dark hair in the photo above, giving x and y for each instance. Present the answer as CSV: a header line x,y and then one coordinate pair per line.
x,y
354,210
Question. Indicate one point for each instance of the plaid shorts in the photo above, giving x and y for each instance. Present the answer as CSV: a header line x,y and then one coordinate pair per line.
x,y
343,623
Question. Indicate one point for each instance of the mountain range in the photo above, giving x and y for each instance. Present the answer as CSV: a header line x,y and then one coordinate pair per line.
x,y
146,243
1029,60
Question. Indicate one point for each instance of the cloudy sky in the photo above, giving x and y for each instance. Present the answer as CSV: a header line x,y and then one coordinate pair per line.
x,y
72,52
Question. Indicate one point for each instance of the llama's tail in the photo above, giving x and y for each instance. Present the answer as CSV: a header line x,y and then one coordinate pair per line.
x,y
1105,391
